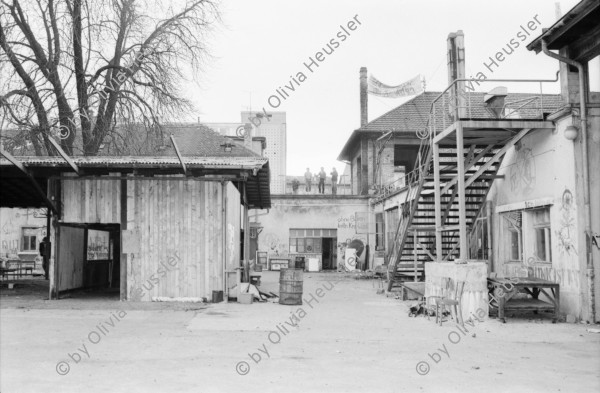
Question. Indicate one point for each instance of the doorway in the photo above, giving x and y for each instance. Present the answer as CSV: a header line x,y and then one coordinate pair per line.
x,y
88,260
329,256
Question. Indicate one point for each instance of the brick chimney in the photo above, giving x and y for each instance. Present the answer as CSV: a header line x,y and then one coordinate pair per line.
x,y
364,113
456,70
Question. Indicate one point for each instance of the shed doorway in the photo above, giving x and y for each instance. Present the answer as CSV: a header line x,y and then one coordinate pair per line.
x,y
88,261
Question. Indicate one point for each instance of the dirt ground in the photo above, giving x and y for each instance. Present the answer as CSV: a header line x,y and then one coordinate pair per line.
x,y
348,339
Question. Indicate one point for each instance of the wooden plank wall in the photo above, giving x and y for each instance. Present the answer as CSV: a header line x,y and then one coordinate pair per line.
x,y
71,258
181,222
174,237
91,201
234,216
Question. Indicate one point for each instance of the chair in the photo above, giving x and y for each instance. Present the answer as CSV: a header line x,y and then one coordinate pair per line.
x,y
431,301
450,300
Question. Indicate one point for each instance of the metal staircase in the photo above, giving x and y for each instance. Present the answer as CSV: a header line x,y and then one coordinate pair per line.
x,y
458,161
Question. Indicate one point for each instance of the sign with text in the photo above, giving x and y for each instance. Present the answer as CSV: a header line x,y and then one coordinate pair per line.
x,y
361,222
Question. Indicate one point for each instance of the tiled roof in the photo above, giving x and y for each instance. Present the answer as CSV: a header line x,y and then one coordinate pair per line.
x,y
408,117
195,140
201,141
411,117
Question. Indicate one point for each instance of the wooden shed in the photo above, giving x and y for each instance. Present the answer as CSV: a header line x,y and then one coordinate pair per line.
x,y
165,227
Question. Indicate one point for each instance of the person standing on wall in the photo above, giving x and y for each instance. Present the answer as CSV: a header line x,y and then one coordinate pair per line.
x,y
334,179
322,177
308,179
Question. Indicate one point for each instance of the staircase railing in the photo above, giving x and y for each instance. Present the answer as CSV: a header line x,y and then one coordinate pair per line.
x,y
414,183
438,119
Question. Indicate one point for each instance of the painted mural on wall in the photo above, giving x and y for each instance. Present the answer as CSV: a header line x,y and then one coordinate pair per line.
x,y
523,172
349,239
567,229
12,224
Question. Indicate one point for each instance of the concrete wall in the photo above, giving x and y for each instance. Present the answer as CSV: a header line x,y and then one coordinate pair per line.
x,y
542,172
288,212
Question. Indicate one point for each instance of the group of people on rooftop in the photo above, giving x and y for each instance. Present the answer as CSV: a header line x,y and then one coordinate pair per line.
x,y
321,177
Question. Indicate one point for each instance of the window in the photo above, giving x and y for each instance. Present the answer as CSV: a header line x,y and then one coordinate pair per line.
x,y
379,232
305,245
309,241
514,236
28,239
541,229
405,157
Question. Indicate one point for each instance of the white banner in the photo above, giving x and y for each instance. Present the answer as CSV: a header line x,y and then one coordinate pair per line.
x,y
409,88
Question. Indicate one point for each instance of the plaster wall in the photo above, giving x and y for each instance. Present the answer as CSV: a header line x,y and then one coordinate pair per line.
x,y
12,220
541,172
317,213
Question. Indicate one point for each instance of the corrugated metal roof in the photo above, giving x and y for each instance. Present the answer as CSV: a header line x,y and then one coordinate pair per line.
x,y
95,161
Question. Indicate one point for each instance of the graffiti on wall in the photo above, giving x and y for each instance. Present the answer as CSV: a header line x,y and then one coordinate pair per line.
x,y
523,172
347,222
566,244
275,245
12,224
567,278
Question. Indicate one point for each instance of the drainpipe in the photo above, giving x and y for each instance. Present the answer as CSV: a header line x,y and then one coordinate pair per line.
x,y
586,188
224,242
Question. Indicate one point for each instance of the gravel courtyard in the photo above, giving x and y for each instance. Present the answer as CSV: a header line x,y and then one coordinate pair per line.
x,y
345,338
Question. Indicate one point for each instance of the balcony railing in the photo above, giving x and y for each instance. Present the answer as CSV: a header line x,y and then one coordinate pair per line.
x,y
469,104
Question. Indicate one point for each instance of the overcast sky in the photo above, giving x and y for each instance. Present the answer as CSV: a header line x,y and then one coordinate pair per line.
x,y
264,42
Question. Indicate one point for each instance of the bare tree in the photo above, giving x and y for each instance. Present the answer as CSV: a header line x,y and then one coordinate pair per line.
x,y
86,66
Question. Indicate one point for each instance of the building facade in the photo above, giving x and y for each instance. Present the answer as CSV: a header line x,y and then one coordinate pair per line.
x,y
330,229
500,177
272,126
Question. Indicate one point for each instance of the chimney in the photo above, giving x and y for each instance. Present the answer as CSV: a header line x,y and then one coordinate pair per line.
x,y
364,113
456,70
